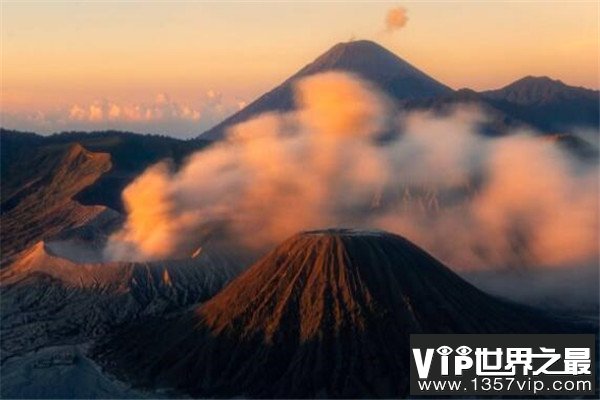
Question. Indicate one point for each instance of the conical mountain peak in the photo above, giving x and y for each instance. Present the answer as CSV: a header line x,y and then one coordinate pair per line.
x,y
369,60
356,56
325,314
394,76
331,280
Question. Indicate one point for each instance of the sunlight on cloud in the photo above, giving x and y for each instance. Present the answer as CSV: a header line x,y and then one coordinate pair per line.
x,y
345,158
162,114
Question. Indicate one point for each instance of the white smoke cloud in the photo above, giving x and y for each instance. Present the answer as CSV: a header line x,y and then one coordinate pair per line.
x,y
345,158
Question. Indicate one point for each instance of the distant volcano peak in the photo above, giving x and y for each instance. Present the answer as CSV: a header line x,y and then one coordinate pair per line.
x,y
344,54
369,60
360,43
373,62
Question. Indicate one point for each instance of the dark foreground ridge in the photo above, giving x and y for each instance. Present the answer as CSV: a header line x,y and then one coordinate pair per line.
x,y
325,314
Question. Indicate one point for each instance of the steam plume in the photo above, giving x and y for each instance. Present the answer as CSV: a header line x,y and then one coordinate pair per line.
x,y
395,19
345,158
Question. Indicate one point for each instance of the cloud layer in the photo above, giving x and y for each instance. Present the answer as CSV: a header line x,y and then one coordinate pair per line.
x,y
345,158
160,115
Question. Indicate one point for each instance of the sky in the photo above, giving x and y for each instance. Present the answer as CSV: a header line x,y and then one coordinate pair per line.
x,y
178,68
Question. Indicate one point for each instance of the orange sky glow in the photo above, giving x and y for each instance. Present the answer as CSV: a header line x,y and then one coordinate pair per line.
x,y
180,67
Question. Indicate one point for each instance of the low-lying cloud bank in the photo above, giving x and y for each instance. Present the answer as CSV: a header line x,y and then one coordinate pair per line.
x,y
162,114
346,158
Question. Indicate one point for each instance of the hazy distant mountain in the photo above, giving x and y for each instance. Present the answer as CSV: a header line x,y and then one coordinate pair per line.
x,y
326,314
396,77
540,90
542,103
548,104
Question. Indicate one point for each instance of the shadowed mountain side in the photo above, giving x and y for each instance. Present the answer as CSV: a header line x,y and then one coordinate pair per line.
x,y
539,102
130,154
547,114
37,200
550,105
325,314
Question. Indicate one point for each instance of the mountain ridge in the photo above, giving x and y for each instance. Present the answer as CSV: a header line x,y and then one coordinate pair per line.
x,y
38,199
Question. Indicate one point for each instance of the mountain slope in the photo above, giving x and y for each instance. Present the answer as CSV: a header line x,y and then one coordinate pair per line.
x,y
130,154
396,77
325,314
52,183
37,200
